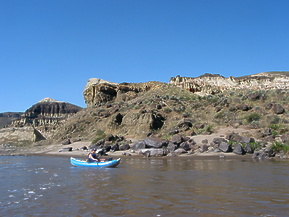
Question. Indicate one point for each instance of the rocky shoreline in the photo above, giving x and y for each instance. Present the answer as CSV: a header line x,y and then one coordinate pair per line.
x,y
226,143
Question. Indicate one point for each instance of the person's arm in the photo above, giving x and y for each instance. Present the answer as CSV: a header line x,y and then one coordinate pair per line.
x,y
92,157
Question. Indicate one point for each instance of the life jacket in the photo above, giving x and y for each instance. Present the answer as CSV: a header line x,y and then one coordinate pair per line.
x,y
94,155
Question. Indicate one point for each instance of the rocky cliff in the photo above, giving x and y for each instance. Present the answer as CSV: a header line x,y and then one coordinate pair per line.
x,y
212,83
47,112
39,122
98,92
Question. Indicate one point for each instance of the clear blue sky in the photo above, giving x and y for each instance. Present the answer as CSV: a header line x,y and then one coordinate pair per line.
x,y
50,48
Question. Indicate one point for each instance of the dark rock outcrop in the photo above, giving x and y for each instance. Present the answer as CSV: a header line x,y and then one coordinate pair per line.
x,y
47,112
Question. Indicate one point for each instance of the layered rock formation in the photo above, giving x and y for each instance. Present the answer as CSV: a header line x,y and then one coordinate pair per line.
x,y
98,92
47,112
39,122
212,83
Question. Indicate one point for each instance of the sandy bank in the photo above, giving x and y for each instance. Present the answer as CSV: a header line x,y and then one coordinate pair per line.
x,y
77,152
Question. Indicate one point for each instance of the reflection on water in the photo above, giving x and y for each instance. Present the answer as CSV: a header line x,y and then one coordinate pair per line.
x,y
144,187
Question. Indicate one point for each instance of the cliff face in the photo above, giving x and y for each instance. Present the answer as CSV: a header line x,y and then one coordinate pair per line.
x,y
38,122
43,118
98,92
47,112
212,84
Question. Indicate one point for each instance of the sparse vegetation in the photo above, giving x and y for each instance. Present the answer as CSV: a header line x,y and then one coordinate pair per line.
x,y
278,147
223,109
99,135
252,117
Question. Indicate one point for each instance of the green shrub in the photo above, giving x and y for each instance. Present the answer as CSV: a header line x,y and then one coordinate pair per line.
x,y
253,117
278,147
99,135
275,120
209,128
278,129
275,126
254,145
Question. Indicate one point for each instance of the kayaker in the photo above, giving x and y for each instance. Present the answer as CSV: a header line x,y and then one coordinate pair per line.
x,y
93,157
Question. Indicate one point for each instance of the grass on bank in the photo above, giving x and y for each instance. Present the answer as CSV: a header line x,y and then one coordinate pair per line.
x,y
278,147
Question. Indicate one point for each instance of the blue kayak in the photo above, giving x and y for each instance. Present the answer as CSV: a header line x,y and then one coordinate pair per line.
x,y
106,164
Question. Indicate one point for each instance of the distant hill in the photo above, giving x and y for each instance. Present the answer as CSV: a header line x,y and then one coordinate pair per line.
x,y
6,118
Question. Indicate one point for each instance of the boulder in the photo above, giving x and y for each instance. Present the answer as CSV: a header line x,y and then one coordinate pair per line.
x,y
177,139
114,147
204,148
154,142
76,140
172,155
180,151
260,155
247,139
138,145
124,147
84,148
225,147
270,152
146,153
278,109
248,149
154,152
171,147
255,96
191,142
238,149
205,141
186,146
65,149
244,107
195,147
234,137
219,140
185,125
66,142
109,137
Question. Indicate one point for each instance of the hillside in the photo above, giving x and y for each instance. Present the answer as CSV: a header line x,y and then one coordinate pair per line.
x,y
169,110
7,118
129,112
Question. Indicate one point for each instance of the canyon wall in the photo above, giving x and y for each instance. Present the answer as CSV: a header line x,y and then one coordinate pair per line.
x,y
212,83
